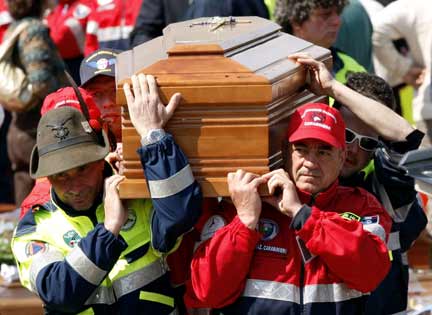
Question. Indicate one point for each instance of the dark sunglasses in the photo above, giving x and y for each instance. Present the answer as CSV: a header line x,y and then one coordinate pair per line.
x,y
366,143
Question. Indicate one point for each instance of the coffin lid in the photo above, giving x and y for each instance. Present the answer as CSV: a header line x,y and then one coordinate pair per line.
x,y
236,41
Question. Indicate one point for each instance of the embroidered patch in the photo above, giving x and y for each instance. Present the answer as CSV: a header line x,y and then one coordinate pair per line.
x,y
350,216
71,238
268,228
373,219
273,249
60,131
32,248
213,224
131,220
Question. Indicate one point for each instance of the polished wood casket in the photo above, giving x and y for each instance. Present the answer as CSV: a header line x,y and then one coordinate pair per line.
x,y
238,88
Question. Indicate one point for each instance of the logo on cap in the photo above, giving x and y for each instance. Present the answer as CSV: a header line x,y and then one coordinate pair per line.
x,y
60,131
317,117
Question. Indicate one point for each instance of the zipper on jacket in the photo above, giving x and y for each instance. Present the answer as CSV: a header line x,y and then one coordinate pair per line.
x,y
302,269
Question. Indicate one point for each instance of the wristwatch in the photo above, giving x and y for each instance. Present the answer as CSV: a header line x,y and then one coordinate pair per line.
x,y
154,135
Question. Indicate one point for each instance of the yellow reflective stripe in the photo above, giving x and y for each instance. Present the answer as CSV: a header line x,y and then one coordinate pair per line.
x,y
156,297
88,311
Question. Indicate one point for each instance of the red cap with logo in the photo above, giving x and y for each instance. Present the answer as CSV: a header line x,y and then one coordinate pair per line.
x,y
317,121
67,97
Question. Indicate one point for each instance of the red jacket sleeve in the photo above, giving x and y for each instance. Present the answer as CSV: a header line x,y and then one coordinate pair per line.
x,y
352,249
223,259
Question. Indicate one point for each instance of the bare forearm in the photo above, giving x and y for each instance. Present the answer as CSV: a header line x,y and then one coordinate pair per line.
x,y
380,118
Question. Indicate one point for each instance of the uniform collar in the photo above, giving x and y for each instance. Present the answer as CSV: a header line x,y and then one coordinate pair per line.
x,y
319,199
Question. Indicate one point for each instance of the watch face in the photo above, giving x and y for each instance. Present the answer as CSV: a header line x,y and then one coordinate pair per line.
x,y
155,135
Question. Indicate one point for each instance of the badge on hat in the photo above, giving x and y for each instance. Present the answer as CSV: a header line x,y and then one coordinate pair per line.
x,y
60,131
71,238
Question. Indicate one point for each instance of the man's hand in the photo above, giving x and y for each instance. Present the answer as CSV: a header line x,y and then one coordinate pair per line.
x,y
415,76
146,110
321,80
116,159
288,202
115,213
243,188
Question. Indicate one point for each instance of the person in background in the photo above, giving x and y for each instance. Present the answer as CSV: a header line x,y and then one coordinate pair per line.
x,y
110,24
288,253
97,73
317,22
355,34
409,20
5,18
376,139
38,56
155,15
87,251
67,22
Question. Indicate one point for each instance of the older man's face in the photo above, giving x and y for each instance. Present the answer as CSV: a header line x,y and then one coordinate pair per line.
x,y
321,28
313,164
79,187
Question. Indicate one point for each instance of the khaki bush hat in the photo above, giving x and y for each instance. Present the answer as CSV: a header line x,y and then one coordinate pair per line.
x,y
64,141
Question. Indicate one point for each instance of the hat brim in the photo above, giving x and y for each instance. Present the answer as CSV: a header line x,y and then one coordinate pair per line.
x,y
312,133
68,158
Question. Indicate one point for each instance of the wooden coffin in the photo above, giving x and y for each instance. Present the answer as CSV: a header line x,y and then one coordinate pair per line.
x,y
238,89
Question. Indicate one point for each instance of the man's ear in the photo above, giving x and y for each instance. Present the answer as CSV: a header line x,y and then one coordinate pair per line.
x,y
342,157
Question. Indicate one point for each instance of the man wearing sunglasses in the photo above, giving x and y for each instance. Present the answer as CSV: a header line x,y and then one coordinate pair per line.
x,y
372,164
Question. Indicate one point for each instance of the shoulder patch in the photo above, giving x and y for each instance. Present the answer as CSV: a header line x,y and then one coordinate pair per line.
x,y
373,219
34,247
213,224
71,238
268,228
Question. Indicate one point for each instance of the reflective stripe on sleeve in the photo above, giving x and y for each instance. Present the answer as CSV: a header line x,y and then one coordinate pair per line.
x,y
156,297
78,32
102,295
139,278
319,293
40,261
375,229
112,33
87,269
393,242
172,185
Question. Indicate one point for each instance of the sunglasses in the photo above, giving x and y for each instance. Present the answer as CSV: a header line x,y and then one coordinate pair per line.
x,y
366,143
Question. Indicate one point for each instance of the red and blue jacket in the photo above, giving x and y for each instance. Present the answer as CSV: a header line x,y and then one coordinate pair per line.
x,y
75,265
323,261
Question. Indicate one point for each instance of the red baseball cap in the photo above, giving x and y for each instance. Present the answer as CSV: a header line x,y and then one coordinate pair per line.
x,y
67,97
317,121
